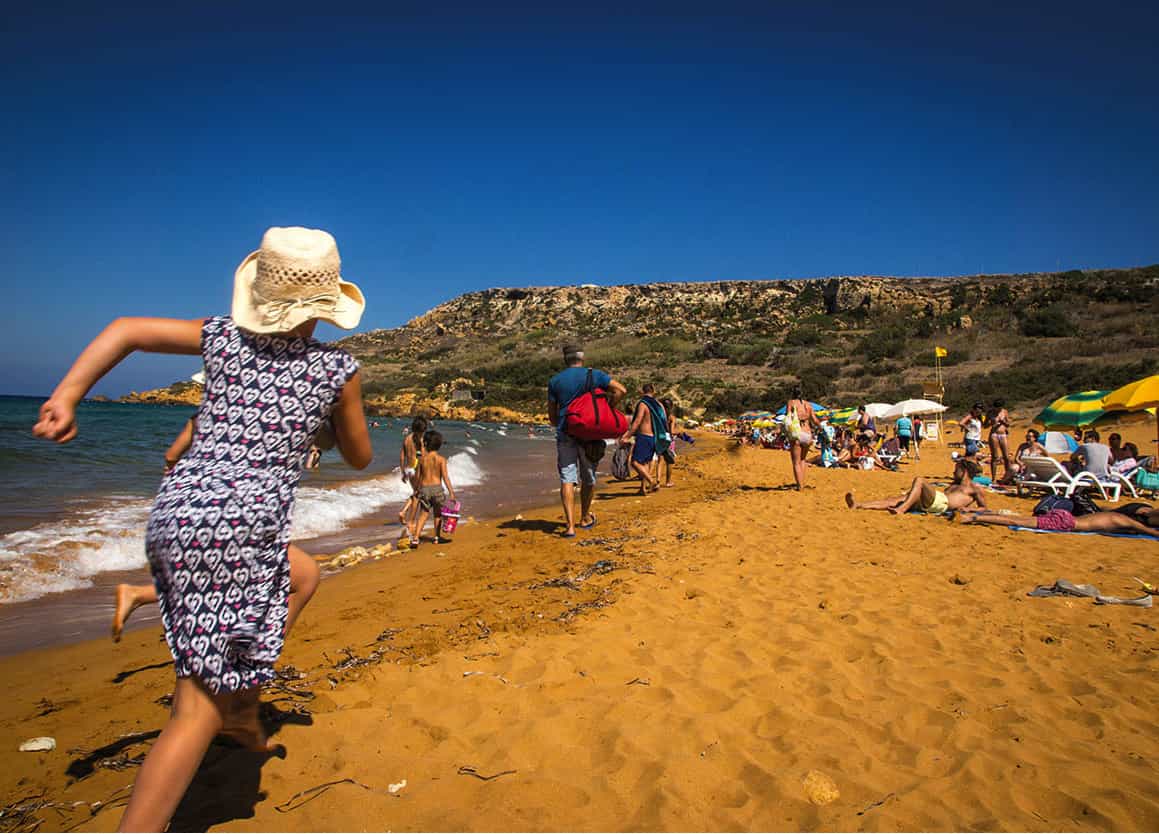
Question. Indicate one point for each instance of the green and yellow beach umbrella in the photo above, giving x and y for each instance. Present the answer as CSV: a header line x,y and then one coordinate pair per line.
x,y
1140,395
841,416
1073,410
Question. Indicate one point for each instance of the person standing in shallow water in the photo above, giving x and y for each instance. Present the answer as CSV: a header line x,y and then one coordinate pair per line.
x,y
219,528
575,466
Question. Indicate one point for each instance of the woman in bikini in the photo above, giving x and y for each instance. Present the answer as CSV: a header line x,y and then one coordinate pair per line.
x,y
408,464
800,423
999,422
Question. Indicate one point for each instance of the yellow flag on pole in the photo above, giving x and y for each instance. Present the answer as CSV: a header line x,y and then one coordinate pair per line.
x,y
940,352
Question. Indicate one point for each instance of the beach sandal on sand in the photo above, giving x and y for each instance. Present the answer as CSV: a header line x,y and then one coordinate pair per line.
x,y
568,535
1139,602
1064,588
588,526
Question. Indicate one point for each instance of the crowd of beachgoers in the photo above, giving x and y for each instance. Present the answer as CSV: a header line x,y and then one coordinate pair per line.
x,y
1069,465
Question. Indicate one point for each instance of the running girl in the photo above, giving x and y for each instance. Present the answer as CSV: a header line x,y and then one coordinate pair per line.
x,y
219,529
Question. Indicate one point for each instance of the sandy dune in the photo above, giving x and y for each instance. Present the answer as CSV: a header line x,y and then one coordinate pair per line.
x,y
742,637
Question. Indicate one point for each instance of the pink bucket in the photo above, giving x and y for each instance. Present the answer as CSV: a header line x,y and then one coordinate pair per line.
x,y
450,516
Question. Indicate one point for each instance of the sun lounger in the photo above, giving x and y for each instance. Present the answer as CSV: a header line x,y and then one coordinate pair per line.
x,y
1048,474
1142,478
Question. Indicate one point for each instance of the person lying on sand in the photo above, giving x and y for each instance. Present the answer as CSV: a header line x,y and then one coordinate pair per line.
x,y
1061,521
924,496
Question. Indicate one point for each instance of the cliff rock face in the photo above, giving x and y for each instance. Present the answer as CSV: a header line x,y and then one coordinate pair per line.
x,y
181,393
487,355
697,311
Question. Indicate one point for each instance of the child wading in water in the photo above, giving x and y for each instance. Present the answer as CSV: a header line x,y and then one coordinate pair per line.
x,y
408,463
219,529
431,477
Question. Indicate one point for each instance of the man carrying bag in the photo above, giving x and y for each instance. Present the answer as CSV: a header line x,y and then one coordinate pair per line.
x,y
581,404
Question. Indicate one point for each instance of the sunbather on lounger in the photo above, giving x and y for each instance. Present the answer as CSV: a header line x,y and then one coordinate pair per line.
x,y
927,498
1062,521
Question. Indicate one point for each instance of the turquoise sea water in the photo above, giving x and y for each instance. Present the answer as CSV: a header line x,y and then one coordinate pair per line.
x,y
69,513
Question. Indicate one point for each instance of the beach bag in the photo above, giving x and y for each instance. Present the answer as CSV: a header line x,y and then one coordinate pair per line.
x,y
450,514
793,424
1053,502
621,463
1083,505
590,416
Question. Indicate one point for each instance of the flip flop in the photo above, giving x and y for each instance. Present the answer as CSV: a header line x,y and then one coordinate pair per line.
x,y
587,526
568,535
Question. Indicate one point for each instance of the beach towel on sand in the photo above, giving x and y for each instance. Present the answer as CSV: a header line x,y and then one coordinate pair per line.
x,y
1088,533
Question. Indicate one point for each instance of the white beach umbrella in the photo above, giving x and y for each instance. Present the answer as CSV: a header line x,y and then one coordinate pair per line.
x,y
877,410
905,408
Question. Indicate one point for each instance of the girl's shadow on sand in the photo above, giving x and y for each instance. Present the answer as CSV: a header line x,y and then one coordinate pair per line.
x,y
227,786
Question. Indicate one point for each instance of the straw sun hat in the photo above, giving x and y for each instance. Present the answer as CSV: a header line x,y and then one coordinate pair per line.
x,y
295,276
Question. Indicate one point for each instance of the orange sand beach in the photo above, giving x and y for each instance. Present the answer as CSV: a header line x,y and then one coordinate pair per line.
x,y
724,655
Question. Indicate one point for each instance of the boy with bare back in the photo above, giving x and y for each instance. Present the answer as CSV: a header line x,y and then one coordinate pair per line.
x,y
432,474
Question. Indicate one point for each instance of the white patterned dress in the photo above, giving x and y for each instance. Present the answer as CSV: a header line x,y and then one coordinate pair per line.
x,y
220,526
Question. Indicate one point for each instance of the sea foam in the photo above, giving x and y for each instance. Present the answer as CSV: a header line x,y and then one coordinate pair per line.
x,y
65,554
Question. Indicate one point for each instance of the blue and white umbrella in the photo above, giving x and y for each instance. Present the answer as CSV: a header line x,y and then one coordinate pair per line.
x,y
1058,442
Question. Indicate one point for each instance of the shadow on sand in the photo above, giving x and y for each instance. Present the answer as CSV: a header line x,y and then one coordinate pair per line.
x,y
128,673
227,785
532,525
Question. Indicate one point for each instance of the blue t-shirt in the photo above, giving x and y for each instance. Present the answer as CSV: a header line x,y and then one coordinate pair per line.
x,y
905,427
569,384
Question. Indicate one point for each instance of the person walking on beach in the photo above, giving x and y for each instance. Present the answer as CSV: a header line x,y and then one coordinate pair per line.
x,y
924,496
647,419
668,458
408,463
432,474
919,426
219,528
800,423
999,421
904,429
576,468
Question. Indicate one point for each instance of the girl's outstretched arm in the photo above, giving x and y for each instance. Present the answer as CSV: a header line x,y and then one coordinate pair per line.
x,y
122,337
350,430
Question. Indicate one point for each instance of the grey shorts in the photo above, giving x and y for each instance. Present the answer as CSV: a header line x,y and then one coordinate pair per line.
x,y
432,498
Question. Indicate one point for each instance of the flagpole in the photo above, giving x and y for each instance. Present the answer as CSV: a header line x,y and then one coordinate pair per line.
x,y
941,391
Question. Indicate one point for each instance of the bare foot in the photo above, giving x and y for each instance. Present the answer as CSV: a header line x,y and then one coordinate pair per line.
x,y
127,603
669,484
850,501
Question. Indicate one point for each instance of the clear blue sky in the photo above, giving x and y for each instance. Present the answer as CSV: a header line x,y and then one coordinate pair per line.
x,y
451,148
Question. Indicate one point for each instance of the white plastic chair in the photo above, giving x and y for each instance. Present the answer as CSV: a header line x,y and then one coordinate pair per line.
x,y
1049,474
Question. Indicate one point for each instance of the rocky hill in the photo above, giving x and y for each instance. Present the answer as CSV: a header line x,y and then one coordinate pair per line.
x,y
721,347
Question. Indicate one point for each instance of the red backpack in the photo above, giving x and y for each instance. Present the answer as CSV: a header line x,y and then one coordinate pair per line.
x,y
590,416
